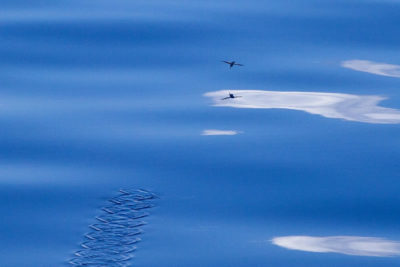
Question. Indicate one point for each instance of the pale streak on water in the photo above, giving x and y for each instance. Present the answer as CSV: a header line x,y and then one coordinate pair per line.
x,y
97,96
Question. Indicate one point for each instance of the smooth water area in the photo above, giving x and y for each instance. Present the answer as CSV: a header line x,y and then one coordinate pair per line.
x,y
101,95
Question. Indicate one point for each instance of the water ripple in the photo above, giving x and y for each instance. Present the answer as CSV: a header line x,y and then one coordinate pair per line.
x,y
112,240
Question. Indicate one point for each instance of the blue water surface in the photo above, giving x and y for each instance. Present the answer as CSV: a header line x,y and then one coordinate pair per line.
x,y
101,95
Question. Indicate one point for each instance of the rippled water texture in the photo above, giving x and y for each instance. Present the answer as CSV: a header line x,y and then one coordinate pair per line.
x,y
301,169
112,240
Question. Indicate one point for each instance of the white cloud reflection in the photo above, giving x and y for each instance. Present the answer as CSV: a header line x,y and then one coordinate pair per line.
x,y
361,108
377,68
350,245
219,132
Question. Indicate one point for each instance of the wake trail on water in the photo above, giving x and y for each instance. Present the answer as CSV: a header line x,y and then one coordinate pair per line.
x,y
113,239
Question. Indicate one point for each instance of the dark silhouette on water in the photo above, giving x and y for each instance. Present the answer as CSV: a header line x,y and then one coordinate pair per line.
x,y
232,63
231,96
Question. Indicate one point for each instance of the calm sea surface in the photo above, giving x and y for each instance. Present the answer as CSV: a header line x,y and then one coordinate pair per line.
x,y
101,95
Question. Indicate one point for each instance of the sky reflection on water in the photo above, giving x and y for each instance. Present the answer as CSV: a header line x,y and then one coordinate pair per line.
x,y
349,245
98,96
377,68
329,105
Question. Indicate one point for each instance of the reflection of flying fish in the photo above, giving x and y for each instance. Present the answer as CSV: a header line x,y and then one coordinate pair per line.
x,y
232,63
231,96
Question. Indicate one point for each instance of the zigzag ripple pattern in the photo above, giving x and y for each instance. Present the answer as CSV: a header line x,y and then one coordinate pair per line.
x,y
112,240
